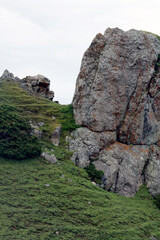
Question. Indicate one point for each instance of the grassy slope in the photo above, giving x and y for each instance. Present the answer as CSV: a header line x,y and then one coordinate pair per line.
x,y
31,210
70,205
37,109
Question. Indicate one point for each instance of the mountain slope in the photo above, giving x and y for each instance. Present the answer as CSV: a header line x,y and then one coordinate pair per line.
x,y
40,200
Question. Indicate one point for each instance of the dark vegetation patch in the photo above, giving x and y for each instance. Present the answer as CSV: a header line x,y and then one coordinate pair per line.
x,y
16,140
157,201
94,174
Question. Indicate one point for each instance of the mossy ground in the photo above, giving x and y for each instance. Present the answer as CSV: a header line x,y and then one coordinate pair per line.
x,y
43,201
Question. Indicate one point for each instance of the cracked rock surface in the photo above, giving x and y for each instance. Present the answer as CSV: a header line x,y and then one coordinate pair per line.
x,y
117,97
123,167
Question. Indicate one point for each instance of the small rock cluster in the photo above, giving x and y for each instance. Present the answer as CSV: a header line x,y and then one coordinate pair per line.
x,y
117,102
36,131
38,85
49,157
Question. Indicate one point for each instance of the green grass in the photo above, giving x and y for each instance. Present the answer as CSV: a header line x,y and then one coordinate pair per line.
x,y
71,205
38,109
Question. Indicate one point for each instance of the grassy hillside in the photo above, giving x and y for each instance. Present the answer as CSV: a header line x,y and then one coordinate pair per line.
x,y
40,200
37,109
44,201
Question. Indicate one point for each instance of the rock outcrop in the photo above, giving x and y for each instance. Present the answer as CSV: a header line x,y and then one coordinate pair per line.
x,y
49,157
55,136
9,76
38,85
123,167
118,92
86,145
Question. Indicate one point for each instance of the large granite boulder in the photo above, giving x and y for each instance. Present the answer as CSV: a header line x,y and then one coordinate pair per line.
x,y
118,91
115,73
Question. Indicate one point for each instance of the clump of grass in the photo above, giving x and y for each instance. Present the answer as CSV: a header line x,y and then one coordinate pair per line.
x,y
67,118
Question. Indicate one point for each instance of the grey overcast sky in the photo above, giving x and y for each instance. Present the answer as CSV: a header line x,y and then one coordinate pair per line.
x,y
49,37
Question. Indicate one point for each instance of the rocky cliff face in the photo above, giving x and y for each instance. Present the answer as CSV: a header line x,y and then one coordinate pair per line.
x,y
117,98
38,85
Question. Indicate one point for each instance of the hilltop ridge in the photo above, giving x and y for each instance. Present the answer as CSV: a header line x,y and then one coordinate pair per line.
x,y
39,84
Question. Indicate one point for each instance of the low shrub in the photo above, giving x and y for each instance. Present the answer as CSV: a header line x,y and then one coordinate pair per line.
x,y
67,118
156,200
16,140
93,173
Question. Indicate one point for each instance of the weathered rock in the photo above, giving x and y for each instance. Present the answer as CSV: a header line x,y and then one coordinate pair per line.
x,y
55,137
8,76
39,85
152,173
117,97
49,157
115,73
141,127
105,138
84,145
123,167
158,143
